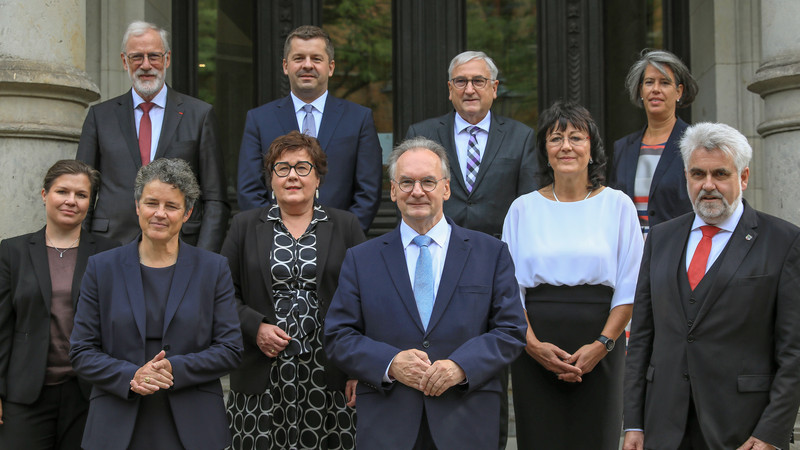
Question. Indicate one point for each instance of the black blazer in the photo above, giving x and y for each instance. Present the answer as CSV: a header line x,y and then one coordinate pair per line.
x,y
508,169
739,360
109,144
25,299
247,248
668,195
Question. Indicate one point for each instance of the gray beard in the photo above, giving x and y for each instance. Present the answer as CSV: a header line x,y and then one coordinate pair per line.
x,y
714,214
147,88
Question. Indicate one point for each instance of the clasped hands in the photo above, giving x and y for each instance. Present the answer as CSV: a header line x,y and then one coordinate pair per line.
x,y
155,375
271,339
414,369
568,367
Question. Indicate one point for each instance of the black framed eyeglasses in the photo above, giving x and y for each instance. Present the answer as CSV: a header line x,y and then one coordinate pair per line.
x,y
477,82
302,168
153,57
427,184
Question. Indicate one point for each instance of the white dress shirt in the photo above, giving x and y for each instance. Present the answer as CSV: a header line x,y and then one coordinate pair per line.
x,y
156,116
319,108
718,242
462,140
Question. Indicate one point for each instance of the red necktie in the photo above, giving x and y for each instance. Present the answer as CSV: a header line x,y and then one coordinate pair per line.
x,y
145,131
697,268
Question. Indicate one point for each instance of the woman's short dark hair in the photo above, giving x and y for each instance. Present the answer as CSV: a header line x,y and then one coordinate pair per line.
x,y
72,167
295,141
556,118
660,59
174,171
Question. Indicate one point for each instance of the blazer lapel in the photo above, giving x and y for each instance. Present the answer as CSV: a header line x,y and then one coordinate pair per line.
x,y
132,275
264,237
127,127
395,260
286,115
497,133
324,234
447,139
330,120
173,113
457,253
184,267
670,152
742,240
86,248
670,261
41,266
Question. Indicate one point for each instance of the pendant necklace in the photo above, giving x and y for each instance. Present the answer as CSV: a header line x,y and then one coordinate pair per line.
x,y
61,252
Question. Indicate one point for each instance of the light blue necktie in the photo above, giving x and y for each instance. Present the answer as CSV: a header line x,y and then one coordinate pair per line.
x,y
309,126
423,279
473,157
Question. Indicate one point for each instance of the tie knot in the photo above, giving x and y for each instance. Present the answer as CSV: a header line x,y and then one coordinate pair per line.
x,y
709,230
308,108
422,240
146,106
473,130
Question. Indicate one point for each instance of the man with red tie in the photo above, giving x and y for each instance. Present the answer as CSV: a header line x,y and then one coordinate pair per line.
x,y
152,121
714,356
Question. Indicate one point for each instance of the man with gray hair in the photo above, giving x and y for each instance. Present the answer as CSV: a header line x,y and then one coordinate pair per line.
x,y
714,355
148,122
426,317
493,157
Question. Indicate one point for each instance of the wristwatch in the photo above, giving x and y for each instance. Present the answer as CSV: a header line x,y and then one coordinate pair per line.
x,y
608,342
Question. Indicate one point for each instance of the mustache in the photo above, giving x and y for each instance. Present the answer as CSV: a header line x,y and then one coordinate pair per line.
x,y
714,194
311,72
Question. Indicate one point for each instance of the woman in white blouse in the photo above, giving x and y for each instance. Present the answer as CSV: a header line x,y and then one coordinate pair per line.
x,y
577,246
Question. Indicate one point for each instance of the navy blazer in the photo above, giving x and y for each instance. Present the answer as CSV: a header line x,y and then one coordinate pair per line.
x,y
668,195
347,136
248,248
508,169
477,322
739,360
109,144
25,301
201,337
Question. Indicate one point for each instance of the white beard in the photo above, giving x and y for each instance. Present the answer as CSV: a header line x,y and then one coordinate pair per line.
x,y
147,88
714,213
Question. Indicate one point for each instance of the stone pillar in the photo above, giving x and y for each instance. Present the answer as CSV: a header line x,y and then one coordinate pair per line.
x,y
44,93
777,81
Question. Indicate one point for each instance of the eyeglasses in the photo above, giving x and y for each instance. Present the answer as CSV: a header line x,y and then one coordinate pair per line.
x,y
138,58
427,184
302,168
558,141
477,82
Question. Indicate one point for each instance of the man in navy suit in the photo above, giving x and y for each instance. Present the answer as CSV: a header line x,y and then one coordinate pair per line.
x,y
426,317
345,131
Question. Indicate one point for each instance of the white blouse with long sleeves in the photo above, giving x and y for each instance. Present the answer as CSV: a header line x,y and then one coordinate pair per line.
x,y
593,241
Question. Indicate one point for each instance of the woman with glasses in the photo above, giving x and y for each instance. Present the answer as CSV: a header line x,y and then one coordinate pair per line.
x,y
576,246
647,164
285,260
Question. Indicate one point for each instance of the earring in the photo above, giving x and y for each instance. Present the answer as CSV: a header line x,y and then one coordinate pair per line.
x,y
316,195
548,164
272,195
591,161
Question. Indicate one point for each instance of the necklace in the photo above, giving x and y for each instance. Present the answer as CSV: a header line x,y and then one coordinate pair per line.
x,y
559,201
61,252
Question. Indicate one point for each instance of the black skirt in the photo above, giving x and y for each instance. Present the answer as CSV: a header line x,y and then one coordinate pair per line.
x,y
553,414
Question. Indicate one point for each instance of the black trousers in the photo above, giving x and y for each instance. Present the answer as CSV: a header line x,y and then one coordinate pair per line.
x,y
424,438
693,436
54,421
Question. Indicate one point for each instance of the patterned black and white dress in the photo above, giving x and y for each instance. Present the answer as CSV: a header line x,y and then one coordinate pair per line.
x,y
296,411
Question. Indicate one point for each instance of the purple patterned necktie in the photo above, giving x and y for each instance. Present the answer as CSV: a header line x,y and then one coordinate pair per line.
x,y
473,157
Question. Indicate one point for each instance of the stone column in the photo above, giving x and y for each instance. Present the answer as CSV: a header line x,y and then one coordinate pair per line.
x,y
44,93
777,81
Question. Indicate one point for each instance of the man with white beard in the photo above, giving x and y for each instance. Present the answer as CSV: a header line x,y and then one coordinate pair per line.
x,y
148,122
714,355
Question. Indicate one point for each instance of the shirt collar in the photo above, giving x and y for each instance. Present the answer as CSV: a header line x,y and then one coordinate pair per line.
x,y
462,124
160,99
318,104
728,224
438,233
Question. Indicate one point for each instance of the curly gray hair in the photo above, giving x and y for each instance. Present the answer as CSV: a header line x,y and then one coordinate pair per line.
x,y
174,171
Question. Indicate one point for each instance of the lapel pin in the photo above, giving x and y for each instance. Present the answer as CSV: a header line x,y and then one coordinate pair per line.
x,y
180,112
748,237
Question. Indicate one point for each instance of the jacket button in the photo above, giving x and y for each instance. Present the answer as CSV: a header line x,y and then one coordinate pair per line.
x,y
690,338
426,344
686,376
690,323
166,348
692,301
652,212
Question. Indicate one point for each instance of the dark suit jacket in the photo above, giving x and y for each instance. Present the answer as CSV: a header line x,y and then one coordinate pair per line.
x,y
247,247
347,136
740,358
110,145
25,300
201,338
477,321
508,169
668,195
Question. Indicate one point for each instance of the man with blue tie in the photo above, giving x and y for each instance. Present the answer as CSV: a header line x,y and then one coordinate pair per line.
x,y
345,130
426,317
